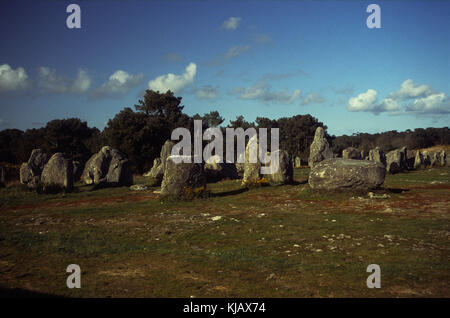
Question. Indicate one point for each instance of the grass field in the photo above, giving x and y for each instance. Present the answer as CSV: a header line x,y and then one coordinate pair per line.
x,y
285,241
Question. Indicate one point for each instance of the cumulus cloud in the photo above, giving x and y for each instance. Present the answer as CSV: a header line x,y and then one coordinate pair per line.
x,y
362,102
313,98
12,79
411,98
174,82
263,93
434,104
207,92
409,89
50,82
232,23
367,102
119,83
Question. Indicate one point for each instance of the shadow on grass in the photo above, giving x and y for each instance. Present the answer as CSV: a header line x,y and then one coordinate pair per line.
x,y
227,193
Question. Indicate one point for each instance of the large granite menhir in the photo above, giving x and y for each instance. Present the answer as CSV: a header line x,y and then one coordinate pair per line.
x,y
340,174
108,167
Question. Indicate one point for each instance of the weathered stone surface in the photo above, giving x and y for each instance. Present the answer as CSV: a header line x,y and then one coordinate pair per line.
x,y
77,170
395,161
97,166
37,160
240,164
252,168
157,170
377,155
443,158
351,153
58,173
138,187
410,159
30,172
119,172
181,179
166,151
298,162
337,173
109,166
282,172
418,160
320,149
216,169
426,159
404,158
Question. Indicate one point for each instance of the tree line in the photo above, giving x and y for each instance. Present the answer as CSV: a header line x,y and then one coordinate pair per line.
x,y
141,132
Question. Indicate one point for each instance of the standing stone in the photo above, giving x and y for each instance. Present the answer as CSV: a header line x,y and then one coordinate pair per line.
x,y
320,149
426,159
298,162
377,155
340,174
395,161
77,170
363,155
410,159
182,179
58,173
281,172
351,153
159,164
119,172
109,167
240,164
37,160
443,157
252,168
404,158
30,172
418,160
166,151
97,166
216,169
157,170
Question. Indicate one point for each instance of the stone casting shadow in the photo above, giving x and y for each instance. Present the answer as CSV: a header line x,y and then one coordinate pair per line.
x,y
227,193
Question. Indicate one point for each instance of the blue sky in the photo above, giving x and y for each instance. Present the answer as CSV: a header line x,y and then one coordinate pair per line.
x,y
255,58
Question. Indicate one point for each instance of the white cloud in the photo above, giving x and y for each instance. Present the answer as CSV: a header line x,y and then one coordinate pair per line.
x,y
174,82
409,89
434,104
207,92
388,104
313,98
119,83
81,83
12,80
363,102
50,82
232,23
235,51
262,92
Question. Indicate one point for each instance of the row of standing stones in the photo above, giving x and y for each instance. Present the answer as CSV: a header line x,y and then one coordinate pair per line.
x,y
352,172
110,167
